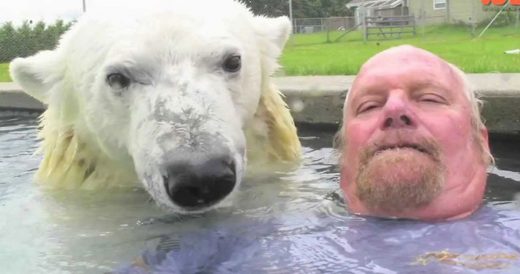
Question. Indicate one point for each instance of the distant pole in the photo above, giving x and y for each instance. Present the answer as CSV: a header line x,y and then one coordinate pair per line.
x,y
290,14
84,6
517,23
448,15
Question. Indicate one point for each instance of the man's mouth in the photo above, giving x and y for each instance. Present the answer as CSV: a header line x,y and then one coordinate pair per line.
x,y
424,146
417,147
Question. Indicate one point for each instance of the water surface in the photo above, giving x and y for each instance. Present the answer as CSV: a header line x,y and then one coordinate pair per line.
x,y
282,223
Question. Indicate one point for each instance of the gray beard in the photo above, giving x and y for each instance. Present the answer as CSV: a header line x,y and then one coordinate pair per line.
x,y
381,188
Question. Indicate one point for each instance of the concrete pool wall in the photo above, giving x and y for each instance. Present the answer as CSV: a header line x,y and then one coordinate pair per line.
x,y
319,99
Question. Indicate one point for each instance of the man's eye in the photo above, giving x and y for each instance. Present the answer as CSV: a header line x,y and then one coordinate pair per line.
x,y
365,107
433,98
118,80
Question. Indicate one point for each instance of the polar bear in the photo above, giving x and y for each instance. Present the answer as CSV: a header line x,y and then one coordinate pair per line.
x,y
175,94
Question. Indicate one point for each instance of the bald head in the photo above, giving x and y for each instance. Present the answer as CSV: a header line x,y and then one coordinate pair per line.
x,y
404,53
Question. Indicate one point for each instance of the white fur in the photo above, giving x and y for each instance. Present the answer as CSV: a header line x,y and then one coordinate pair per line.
x,y
94,134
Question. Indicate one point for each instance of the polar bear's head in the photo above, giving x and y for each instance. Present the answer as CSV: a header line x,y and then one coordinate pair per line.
x,y
160,91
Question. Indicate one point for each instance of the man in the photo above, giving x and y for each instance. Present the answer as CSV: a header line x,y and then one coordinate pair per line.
x,y
414,144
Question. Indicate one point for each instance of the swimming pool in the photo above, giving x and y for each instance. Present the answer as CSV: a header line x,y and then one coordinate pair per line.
x,y
285,223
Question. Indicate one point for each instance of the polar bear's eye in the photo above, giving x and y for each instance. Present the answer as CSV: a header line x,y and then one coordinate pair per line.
x,y
232,63
118,80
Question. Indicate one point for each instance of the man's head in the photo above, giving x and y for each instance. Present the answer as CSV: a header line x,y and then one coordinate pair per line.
x,y
414,144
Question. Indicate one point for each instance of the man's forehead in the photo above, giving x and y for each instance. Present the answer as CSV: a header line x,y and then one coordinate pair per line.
x,y
406,59
403,55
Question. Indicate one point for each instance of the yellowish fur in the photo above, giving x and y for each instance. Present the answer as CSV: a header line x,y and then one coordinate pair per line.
x,y
279,139
68,162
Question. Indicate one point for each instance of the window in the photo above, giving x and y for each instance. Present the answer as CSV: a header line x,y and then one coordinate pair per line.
x,y
439,4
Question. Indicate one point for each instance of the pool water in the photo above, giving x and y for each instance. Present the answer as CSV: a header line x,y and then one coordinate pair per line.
x,y
290,222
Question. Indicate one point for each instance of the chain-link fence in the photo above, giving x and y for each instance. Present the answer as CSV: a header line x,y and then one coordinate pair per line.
x,y
335,29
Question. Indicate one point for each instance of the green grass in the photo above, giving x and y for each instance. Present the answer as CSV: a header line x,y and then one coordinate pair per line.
x,y
4,73
310,54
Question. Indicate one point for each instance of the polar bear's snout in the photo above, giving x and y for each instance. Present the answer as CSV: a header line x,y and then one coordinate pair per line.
x,y
189,152
194,185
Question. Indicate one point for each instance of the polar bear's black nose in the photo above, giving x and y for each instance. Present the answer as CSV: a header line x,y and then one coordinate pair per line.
x,y
198,185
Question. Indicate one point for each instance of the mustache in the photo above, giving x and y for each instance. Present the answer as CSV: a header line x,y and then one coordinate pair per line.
x,y
400,139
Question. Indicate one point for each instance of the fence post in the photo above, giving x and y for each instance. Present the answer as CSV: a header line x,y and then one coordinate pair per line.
x,y
291,15
517,23
328,28
413,22
365,28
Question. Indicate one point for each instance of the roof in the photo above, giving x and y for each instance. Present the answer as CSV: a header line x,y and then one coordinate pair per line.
x,y
379,4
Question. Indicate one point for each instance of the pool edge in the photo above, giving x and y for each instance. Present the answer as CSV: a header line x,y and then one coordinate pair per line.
x,y
318,100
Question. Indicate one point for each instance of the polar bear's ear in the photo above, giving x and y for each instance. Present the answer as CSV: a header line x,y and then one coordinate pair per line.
x,y
36,74
275,30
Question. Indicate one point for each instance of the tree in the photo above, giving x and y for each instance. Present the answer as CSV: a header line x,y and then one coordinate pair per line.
x,y
301,8
7,42
24,39
268,7
28,39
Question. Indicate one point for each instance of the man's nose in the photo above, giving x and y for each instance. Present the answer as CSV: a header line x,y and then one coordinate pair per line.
x,y
397,114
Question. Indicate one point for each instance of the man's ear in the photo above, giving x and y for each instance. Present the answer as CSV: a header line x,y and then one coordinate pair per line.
x,y
484,146
273,32
37,74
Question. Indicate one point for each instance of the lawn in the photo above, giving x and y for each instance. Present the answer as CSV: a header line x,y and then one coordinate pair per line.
x,y
4,73
310,54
